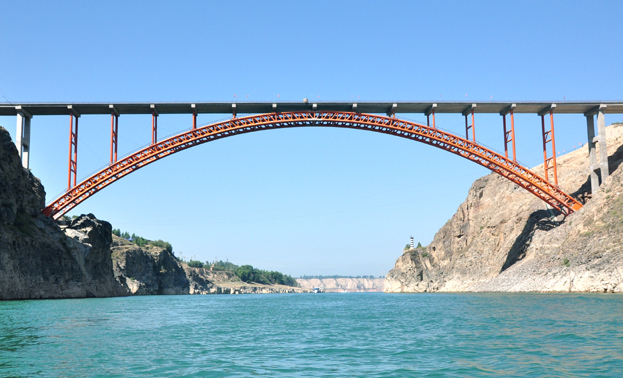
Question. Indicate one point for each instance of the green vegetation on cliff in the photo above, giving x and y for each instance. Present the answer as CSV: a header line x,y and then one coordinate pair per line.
x,y
408,246
141,241
247,273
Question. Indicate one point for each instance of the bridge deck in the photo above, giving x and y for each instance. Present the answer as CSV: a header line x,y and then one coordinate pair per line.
x,y
615,107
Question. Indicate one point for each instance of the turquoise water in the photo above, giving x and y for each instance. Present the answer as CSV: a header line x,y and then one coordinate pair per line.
x,y
300,335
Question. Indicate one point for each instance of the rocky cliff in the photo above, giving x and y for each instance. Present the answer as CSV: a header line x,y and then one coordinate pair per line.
x,y
40,259
154,270
504,239
37,259
343,284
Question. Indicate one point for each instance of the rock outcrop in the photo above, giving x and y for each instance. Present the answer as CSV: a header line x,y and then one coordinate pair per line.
x,y
343,284
147,270
504,239
37,259
154,270
40,259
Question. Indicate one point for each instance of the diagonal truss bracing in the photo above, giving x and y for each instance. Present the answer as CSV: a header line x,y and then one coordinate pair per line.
x,y
470,150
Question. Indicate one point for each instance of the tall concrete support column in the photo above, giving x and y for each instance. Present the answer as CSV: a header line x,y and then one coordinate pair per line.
x,y
19,133
22,137
26,144
603,147
592,146
592,153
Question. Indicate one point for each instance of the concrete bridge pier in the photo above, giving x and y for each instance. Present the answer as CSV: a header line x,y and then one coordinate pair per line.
x,y
592,146
22,136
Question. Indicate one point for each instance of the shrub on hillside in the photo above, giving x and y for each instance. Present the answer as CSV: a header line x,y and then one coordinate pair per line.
x,y
248,273
163,244
195,264
141,241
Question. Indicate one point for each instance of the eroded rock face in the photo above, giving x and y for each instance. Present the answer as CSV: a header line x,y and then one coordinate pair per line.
x,y
342,284
583,254
21,193
153,270
412,273
37,259
148,270
502,238
48,264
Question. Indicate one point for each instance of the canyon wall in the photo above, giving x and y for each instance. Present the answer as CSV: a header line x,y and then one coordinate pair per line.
x,y
38,259
502,238
153,270
41,259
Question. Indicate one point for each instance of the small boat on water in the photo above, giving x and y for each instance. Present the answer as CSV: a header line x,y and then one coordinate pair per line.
x,y
317,290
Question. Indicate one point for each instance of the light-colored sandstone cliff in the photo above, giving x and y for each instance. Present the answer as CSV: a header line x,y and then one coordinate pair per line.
x,y
343,284
504,239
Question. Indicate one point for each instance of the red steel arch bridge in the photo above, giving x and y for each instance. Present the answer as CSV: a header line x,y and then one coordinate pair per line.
x,y
372,116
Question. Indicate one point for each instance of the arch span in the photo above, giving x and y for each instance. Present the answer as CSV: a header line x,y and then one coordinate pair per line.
x,y
509,169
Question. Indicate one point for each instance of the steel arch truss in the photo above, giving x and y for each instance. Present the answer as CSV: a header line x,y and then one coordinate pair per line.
x,y
470,150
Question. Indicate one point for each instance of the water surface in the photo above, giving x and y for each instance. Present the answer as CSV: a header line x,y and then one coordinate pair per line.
x,y
301,335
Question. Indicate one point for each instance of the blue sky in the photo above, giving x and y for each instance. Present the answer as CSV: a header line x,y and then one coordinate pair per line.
x,y
306,201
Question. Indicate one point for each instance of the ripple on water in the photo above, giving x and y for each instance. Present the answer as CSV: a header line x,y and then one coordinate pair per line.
x,y
367,334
